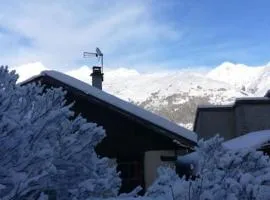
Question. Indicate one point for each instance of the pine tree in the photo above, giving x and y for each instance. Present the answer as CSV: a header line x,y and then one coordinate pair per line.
x,y
45,149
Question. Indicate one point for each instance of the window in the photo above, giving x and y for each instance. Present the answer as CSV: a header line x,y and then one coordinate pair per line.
x,y
132,172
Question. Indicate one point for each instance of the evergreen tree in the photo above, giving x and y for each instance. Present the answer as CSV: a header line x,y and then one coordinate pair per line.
x,y
44,147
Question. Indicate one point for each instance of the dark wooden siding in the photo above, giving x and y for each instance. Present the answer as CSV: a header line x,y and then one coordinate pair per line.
x,y
125,134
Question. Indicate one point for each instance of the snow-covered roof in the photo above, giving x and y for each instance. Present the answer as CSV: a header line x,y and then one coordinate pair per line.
x,y
123,105
231,105
254,140
252,99
250,140
216,106
190,158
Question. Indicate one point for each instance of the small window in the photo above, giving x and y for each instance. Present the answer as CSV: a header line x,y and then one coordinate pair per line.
x,y
132,173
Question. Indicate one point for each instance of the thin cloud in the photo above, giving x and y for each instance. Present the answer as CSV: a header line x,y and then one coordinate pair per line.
x,y
56,32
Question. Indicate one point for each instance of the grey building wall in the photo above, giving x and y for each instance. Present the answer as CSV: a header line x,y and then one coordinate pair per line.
x,y
240,121
210,123
230,123
252,117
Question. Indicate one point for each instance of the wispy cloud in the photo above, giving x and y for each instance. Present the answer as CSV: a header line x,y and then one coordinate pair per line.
x,y
56,32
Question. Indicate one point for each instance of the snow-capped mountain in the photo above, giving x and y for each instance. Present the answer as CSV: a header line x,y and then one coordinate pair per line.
x,y
176,94
137,87
252,79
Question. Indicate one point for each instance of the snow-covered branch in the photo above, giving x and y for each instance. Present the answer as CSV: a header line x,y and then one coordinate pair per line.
x,y
43,146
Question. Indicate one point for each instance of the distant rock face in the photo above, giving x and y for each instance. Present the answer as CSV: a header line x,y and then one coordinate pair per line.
x,y
180,107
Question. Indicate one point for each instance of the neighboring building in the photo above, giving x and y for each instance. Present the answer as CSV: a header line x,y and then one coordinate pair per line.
x,y
138,140
230,121
259,140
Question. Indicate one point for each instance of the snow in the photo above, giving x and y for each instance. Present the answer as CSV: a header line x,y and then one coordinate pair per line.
x,y
48,147
163,84
2,187
236,74
29,70
189,126
188,158
250,140
128,107
231,105
252,99
129,84
253,78
43,196
216,106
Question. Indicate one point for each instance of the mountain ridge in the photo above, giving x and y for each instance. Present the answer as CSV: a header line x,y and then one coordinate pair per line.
x,y
175,94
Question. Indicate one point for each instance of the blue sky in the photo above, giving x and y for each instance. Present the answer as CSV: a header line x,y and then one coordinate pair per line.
x,y
141,34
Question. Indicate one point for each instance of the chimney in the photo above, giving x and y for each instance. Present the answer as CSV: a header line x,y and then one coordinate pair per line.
x,y
267,94
97,77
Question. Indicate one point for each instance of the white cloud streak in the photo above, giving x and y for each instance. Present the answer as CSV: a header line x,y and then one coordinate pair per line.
x,y
56,32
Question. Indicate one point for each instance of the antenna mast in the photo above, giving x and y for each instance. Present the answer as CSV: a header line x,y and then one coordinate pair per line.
x,y
97,54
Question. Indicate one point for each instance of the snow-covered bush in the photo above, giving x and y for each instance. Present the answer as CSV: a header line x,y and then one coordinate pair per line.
x,y
45,149
221,174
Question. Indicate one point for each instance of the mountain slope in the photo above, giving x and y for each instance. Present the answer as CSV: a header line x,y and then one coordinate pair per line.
x,y
251,79
176,94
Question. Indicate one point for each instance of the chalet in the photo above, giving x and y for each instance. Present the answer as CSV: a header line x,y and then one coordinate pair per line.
x,y
230,121
137,140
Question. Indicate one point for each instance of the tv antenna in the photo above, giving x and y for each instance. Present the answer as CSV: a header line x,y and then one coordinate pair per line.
x,y
97,54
